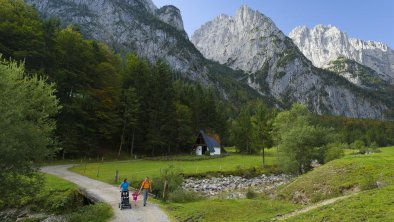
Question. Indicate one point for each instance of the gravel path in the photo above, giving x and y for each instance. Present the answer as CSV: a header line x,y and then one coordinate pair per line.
x,y
104,192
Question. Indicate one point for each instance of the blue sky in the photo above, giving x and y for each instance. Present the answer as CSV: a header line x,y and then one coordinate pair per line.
x,y
366,20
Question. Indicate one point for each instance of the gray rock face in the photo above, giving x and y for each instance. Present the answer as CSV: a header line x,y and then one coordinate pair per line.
x,y
172,16
324,44
132,26
251,42
245,41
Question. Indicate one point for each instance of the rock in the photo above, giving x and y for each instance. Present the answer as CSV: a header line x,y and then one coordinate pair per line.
x,y
300,197
215,186
136,26
55,218
250,41
323,44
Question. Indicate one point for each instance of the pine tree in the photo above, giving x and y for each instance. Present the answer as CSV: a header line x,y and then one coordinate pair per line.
x,y
130,113
21,34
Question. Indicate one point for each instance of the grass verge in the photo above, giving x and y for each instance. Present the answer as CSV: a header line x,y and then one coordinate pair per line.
x,y
258,209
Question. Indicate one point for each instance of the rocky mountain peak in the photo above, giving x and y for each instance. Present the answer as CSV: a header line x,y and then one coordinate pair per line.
x,y
149,5
244,13
136,26
247,17
172,16
229,35
250,41
323,44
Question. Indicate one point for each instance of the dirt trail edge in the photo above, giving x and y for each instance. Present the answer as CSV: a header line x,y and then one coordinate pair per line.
x,y
312,207
109,194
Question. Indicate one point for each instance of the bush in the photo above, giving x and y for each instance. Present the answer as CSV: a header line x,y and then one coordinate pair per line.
x,y
173,177
251,194
26,190
99,213
363,150
184,196
357,145
58,201
360,146
334,151
374,148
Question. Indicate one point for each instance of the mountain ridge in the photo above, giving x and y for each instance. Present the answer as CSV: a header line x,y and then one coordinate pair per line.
x,y
278,71
250,41
132,26
323,44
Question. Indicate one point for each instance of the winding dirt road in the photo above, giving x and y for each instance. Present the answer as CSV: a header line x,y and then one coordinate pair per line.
x,y
109,194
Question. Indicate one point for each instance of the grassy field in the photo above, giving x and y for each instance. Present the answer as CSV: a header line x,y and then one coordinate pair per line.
x,y
259,209
138,169
349,174
340,177
372,205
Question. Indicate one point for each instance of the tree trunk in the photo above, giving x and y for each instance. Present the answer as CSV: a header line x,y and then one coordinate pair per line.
x,y
263,157
122,138
132,144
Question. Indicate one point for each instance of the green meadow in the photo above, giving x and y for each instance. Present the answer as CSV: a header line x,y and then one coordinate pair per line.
x,y
136,170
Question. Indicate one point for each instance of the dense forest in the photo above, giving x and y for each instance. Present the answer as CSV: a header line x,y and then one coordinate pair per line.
x,y
127,105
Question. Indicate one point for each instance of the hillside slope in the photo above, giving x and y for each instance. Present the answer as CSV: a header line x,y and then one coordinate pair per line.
x,y
357,73
343,176
373,205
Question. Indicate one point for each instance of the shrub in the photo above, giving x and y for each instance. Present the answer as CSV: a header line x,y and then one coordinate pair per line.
x,y
62,201
334,151
374,148
98,212
16,196
360,146
357,145
251,194
363,150
184,196
173,177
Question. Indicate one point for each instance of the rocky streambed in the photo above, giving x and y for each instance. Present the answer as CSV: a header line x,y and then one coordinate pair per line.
x,y
235,186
